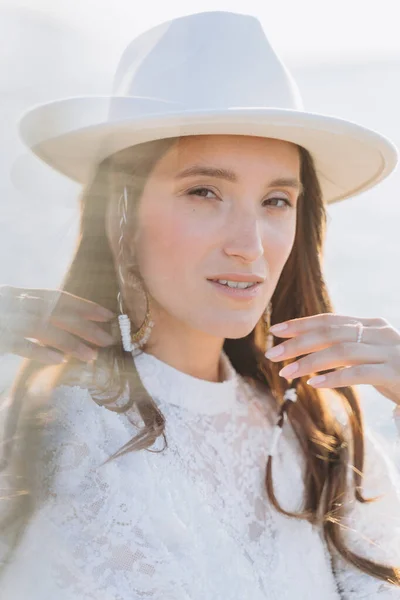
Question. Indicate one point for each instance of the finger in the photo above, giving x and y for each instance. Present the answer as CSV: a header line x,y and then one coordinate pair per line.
x,y
27,349
303,324
369,374
328,335
339,355
14,304
45,302
84,308
29,327
86,330
27,302
66,343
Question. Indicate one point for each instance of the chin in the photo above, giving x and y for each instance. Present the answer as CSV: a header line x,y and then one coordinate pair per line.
x,y
238,335
233,331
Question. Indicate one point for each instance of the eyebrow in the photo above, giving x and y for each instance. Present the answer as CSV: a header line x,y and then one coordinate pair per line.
x,y
231,176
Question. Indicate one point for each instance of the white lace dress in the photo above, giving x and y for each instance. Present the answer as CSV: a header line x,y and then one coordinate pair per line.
x,y
192,522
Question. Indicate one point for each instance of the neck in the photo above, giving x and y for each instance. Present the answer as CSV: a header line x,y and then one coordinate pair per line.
x,y
193,353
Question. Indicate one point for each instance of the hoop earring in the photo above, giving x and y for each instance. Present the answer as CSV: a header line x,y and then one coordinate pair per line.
x,y
133,342
130,342
269,338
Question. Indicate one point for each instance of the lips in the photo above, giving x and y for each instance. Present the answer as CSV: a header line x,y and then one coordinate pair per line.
x,y
235,292
239,277
243,285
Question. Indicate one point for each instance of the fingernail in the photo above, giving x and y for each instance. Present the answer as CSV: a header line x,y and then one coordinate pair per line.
x,y
289,370
276,351
279,327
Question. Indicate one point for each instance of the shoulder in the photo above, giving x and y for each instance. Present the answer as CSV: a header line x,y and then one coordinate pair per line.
x,y
61,405
73,382
377,522
371,529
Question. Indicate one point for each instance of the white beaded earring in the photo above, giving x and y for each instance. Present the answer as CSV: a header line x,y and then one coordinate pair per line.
x,y
130,342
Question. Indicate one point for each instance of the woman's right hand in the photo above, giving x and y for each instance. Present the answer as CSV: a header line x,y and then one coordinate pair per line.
x,y
58,323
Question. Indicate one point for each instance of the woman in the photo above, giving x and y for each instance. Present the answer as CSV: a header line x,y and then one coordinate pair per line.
x,y
184,462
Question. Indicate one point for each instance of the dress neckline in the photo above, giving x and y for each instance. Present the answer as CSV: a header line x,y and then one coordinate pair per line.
x,y
167,384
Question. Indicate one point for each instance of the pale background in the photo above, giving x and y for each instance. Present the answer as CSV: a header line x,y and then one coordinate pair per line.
x,y
346,59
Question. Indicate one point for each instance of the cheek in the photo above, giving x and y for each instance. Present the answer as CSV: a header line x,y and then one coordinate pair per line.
x,y
278,244
168,246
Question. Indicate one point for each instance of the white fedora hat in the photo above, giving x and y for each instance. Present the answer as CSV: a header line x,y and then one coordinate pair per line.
x,y
206,73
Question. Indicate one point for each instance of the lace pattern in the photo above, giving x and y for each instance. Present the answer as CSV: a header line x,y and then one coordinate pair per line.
x,y
192,522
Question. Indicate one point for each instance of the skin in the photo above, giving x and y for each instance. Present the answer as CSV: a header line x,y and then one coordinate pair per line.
x,y
239,227
181,239
330,342
242,226
61,324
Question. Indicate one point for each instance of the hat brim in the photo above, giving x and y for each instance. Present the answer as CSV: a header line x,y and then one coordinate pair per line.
x,y
74,135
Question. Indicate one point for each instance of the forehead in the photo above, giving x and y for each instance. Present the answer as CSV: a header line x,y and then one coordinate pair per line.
x,y
232,151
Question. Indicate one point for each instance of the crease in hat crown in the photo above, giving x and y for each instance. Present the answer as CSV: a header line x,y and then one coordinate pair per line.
x,y
203,74
207,60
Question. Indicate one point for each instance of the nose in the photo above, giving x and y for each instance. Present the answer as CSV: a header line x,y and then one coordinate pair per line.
x,y
244,239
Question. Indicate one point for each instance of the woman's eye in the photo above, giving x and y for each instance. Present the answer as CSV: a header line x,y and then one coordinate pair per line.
x,y
200,192
203,191
286,202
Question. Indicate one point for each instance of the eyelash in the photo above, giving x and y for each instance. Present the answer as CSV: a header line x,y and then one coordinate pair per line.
x,y
195,191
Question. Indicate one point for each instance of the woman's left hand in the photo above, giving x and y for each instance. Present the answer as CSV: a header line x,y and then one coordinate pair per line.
x,y
329,341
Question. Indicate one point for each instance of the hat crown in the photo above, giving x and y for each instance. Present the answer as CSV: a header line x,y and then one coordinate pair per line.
x,y
214,60
212,73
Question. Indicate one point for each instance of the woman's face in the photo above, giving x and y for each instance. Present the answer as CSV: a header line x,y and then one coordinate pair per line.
x,y
237,217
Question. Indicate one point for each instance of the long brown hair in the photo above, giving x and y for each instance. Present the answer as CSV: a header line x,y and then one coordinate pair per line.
x,y
300,292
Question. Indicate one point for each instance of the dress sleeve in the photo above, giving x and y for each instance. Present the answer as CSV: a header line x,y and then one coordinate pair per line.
x,y
372,530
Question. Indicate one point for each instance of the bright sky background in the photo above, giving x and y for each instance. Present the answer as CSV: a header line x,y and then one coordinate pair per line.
x,y
301,30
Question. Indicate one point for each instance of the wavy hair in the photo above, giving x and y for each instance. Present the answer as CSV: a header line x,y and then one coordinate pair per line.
x,y
300,292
